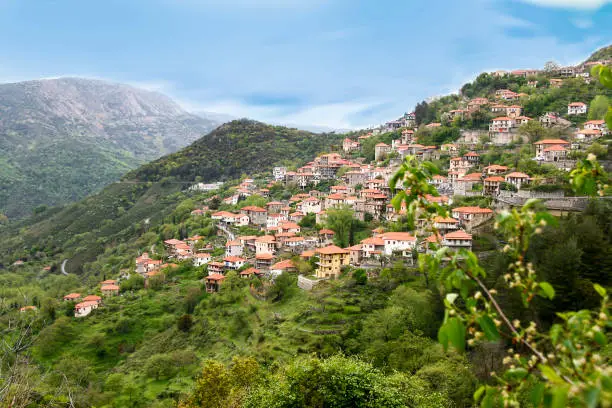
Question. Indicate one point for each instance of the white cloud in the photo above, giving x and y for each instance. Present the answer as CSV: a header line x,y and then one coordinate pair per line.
x,y
330,115
583,23
573,4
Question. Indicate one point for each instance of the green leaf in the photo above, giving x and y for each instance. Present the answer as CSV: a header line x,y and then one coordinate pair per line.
x,y
451,297
456,333
550,374
600,338
600,289
606,382
559,395
547,289
488,327
443,337
592,397
537,394
515,374
479,392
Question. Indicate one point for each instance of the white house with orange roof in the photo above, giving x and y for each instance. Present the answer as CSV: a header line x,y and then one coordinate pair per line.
x,y
445,224
282,267
495,169
309,205
234,262
458,240
372,247
266,244
542,145
402,242
233,248
84,308
577,108
471,216
201,258
596,125
587,135
517,179
501,124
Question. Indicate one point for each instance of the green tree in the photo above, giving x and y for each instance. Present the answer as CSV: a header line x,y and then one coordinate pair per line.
x,y
599,107
340,220
184,323
212,388
160,366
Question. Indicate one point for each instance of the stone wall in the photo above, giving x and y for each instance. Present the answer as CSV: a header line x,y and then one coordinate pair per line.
x,y
306,283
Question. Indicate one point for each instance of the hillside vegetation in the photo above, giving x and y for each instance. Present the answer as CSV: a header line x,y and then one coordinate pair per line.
x,y
82,230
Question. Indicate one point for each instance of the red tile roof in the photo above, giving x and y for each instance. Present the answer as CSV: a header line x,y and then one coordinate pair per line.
x,y
458,235
331,250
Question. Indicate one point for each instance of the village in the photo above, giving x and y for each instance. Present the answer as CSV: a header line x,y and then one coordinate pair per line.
x,y
279,235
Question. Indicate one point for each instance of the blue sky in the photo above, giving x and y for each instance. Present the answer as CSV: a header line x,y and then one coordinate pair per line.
x,y
331,63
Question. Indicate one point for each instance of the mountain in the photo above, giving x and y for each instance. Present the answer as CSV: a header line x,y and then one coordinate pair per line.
x,y
115,214
62,139
604,53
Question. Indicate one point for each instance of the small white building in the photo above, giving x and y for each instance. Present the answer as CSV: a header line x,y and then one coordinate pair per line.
x,y
84,308
200,259
576,108
233,248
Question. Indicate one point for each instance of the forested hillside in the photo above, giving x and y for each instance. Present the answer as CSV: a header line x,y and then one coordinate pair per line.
x,y
63,139
82,230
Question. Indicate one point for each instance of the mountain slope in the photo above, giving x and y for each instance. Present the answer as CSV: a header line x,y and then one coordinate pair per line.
x,y
83,230
64,138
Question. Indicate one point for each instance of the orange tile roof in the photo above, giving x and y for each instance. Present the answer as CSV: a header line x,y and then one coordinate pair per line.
x,y
264,256
234,259
517,174
109,287
283,265
215,277
72,296
398,236
494,179
91,297
458,235
473,210
331,250
551,141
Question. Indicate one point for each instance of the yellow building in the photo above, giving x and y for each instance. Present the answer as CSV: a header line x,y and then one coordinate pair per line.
x,y
331,261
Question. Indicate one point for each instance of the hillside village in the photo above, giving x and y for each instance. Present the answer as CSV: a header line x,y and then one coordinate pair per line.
x,y
275,223
267,251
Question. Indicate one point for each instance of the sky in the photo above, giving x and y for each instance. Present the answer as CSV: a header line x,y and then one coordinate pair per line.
x,y
341,64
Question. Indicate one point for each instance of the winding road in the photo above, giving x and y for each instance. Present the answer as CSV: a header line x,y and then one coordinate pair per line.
x,y
64,267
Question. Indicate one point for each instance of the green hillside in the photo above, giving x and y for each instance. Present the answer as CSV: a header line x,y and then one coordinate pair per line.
x,y
376,336
116,214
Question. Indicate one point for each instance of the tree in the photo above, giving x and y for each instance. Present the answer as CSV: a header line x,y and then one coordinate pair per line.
x,y
214,203
360,276
559,367
598,107
341,382
212,388
532,130
551,67
160,366
184,323
340,220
